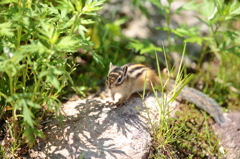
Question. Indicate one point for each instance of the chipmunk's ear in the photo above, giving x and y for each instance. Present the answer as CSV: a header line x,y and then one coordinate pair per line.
x,y
125,68
110,65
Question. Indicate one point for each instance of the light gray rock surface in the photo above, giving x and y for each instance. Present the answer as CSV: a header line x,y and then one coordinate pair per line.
x,y
229,135
96,130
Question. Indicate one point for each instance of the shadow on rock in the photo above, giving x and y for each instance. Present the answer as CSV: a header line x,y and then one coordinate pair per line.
x,y
93,129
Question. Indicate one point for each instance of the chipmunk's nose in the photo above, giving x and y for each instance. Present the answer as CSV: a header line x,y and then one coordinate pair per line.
x,y
110,86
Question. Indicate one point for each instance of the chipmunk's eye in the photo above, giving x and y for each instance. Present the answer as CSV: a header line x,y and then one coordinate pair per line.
x,y
119,79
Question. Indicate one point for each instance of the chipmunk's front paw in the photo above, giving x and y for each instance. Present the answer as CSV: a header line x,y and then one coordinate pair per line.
x,y
110,102
117,104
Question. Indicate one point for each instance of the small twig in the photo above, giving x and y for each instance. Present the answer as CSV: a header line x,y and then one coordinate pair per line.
x,y
45,122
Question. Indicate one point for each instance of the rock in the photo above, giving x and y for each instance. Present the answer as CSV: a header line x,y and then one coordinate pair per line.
x,y
93,129
230,135
96,130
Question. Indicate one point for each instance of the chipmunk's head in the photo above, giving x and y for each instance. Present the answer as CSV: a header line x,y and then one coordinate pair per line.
x,y
116,76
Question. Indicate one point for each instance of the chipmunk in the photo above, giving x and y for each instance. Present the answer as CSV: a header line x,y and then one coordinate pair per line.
x,y
123,81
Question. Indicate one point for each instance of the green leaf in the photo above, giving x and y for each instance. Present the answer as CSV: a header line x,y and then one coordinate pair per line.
x,y
32,104
8,1
92,5
53,81
78,5
51,9
191,5
56,71
69,23
6,30
43,73
234,9
97,58
208,9
50,74
80,90
68,44
88,2
234,50
144,46
65,5
82,30
186,31
87,21
29,135
39,133
11,65
27,114
195,39
156,3
207,22
232,34
49,32
164,28
69,77
35,47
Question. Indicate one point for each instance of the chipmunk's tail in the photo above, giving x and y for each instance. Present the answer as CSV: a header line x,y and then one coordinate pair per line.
x,y
202,101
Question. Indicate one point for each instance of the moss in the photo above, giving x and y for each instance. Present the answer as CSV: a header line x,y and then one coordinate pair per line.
x,y
191,137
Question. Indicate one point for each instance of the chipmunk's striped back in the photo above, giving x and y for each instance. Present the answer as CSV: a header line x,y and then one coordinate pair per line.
x,y
118,74
136,70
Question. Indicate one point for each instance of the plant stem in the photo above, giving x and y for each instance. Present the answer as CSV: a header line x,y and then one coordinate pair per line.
x,y
202,55
213,33
168,18
14,117
74,24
